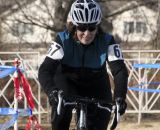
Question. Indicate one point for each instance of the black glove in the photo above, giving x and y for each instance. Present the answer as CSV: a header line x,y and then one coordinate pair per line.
x,y
53,98
122,105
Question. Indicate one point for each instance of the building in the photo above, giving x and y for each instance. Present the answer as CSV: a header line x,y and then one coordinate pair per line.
x,y
132,22
19,33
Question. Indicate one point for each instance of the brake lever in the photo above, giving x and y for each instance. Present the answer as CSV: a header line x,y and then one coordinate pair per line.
x,y
118,114
116,117
60,100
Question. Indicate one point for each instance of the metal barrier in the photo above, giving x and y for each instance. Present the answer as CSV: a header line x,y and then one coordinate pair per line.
x,y
138,101
30,63
143,78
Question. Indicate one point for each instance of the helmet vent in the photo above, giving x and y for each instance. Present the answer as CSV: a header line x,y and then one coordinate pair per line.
x,y
80,1
97,12
91,6
92,15
86,13
81,15
89,1
79,6
76,15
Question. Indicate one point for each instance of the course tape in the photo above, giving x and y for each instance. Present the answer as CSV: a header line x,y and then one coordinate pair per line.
x,y
7,70
151,66
135,88
14,116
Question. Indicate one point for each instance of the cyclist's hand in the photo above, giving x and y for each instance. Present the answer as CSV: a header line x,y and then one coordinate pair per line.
x,y
122,105
53,98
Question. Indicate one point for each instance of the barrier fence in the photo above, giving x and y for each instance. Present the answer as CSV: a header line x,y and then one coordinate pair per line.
x,y
7,85
143,86
144,81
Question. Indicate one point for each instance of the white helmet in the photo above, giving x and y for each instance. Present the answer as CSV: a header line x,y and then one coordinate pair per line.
x,y
85,12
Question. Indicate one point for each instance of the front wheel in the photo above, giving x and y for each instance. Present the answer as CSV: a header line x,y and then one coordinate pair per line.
x,y
82,129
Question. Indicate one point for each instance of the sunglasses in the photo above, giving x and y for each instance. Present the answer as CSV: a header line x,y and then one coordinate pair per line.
x,y
83,28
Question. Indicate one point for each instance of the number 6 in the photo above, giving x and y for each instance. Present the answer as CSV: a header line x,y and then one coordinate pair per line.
x,y
117,51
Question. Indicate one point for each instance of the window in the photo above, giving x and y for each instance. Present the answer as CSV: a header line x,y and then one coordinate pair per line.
x,y
128,27
141,27
135,27
21,29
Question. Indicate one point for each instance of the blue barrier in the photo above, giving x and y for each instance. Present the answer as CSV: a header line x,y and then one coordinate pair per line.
x,y
149,66
135,88
145,90
14,116
146,66
7,70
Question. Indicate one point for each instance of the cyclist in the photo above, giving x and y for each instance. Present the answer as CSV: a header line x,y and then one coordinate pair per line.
x,y
76,64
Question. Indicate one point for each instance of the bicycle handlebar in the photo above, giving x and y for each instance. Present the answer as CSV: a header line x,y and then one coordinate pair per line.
x,y
75,100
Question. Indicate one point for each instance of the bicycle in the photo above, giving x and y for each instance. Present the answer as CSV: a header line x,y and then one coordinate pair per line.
x,y
80,104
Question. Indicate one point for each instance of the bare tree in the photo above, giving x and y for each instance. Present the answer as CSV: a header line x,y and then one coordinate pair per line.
x,y
51,15
44,14
56,10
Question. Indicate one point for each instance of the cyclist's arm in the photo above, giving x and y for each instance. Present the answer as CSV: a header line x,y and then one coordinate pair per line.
x,y
49,66
118,69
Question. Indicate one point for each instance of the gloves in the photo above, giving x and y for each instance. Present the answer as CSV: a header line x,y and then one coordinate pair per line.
x,y
122,105
56,101
53,98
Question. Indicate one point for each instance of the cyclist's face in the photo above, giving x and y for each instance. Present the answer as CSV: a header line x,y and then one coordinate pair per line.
x,y
86,33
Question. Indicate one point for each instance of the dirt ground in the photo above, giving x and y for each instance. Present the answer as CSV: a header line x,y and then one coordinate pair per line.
x,y
148,122
147,125
127,125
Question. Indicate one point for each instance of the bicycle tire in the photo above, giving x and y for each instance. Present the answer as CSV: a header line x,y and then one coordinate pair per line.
x,y
82,129
76,120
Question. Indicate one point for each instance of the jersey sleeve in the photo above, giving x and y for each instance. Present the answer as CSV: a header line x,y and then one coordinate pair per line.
x,y
55,51
48,68
114,51
118,69
46,73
